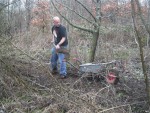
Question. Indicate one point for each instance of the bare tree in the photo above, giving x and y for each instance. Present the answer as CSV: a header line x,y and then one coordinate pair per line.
x,y
148,41
135,3
28,5
142,18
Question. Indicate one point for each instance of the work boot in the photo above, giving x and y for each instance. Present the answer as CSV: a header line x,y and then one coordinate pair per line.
x,y
63,76
54,71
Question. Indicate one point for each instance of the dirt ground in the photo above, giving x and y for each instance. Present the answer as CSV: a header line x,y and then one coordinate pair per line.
x,y
38,91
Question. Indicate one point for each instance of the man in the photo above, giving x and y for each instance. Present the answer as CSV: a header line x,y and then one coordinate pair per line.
x,y
59,40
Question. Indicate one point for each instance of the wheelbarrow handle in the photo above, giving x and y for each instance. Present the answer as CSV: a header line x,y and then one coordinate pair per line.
x,y
74,66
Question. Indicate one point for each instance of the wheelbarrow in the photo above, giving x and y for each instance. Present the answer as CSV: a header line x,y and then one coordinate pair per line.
x,y
109,70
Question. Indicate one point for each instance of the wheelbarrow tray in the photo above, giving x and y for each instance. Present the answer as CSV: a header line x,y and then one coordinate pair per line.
x,y
95,68
89,67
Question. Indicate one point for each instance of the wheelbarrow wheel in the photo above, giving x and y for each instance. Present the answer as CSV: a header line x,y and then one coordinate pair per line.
x,y
112,77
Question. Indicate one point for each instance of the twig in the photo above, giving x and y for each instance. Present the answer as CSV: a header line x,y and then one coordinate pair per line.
x,y
121,106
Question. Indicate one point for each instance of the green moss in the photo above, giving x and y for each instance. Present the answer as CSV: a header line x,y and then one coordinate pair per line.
x,y
121,54
144,41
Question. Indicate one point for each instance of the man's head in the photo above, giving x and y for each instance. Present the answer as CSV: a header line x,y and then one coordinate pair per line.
x,y
56,21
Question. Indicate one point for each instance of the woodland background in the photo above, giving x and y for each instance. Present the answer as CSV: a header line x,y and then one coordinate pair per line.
x,y
98,31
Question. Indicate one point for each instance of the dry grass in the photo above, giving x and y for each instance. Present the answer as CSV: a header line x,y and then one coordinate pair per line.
x,y
27,86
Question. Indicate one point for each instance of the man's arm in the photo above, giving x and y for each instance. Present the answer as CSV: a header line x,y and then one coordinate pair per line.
x,y
53,35
52,39
61,41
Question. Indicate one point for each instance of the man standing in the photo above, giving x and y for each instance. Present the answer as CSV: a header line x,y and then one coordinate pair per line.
x,y
59,40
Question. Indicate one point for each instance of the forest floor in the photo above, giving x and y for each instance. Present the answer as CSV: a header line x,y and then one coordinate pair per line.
x,y
35,90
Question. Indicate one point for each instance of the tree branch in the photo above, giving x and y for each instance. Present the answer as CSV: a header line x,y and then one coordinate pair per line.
x,y
75,26
3,6
86,10
78,14
140,14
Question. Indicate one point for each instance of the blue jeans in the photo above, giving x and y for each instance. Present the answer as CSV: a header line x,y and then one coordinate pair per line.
x,y
58,57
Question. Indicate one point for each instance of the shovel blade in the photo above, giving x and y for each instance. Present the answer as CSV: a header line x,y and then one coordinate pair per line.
x,y
64,51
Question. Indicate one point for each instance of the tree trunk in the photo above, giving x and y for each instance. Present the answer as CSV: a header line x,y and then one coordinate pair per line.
x,y
140,48
96,32
148,39
142,17
28,14
94,45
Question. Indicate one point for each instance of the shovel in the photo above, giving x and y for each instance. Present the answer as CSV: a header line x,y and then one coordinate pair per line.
x,y
63,50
